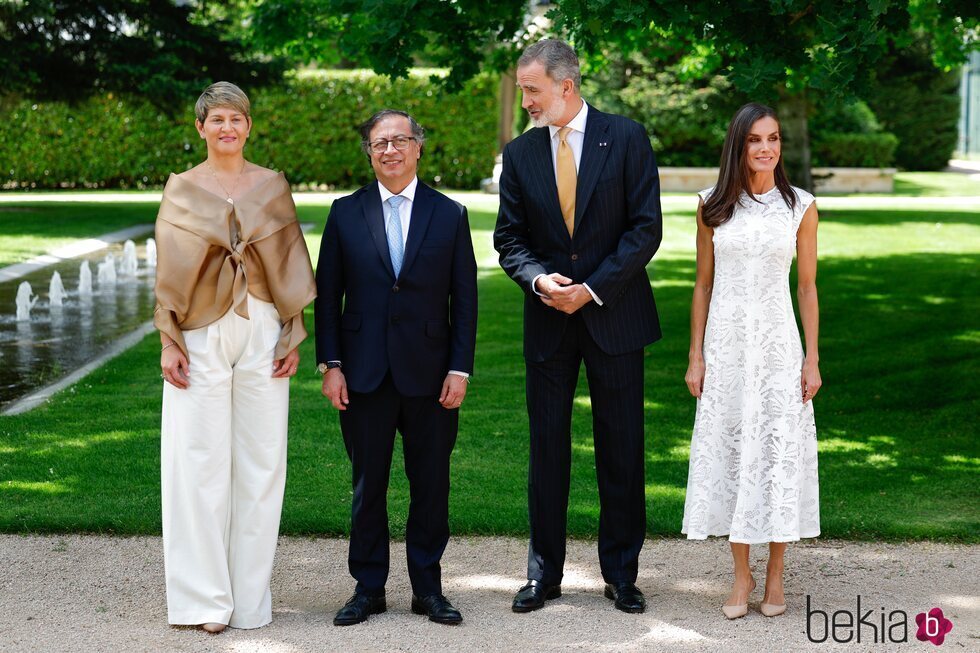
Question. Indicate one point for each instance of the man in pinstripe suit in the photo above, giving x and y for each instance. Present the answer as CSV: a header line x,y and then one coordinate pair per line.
x,y
579,220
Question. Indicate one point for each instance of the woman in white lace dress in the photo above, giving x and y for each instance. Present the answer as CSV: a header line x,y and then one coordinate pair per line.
x,y
753,467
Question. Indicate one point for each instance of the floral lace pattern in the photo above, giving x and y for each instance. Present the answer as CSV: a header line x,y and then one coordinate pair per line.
x,y
753,465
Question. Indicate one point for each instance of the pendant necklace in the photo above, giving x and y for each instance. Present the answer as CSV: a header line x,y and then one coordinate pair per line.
x,y
233,188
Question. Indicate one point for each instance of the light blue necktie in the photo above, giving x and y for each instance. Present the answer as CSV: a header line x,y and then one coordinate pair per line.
x,y
396,245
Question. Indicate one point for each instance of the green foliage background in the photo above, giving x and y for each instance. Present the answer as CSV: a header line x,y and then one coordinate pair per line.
x,y
920,105
305,127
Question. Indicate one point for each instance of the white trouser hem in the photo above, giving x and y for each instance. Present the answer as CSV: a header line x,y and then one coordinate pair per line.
x,y
198,617
250,621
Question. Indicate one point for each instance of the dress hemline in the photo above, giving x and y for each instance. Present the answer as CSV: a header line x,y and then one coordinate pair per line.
x,y
777,540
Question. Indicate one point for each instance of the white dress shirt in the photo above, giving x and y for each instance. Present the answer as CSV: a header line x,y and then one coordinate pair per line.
x,y
405,213
575,140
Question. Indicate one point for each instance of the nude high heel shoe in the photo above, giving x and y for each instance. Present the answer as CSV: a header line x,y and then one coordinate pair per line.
x,y
735,611
738,611
213,628
771,609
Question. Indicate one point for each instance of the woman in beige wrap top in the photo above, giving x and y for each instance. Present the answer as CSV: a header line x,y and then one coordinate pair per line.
x,y
233,278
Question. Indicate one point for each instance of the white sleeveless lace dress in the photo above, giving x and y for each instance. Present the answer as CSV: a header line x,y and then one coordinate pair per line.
x,y
753,466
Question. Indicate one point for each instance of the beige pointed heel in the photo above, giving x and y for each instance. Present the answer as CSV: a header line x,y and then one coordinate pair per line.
x,y
213,628
771,609
737,611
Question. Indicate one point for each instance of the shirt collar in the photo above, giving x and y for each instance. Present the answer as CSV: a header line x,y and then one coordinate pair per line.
x,y
408,193
577,123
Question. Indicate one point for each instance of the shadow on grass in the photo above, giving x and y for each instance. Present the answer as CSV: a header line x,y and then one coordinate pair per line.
x,y
891,215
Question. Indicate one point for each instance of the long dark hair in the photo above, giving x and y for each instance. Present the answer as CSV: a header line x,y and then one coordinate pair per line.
x,y
733,175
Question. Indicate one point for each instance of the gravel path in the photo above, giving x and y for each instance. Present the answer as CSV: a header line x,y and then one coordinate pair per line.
x,y
88,593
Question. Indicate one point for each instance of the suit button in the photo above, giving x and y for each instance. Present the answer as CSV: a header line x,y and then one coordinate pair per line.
x,y
394,319
574,257
395,289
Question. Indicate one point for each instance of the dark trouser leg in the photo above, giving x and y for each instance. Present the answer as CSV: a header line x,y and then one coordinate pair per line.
x,y
368,426
428,437
550,391
616,387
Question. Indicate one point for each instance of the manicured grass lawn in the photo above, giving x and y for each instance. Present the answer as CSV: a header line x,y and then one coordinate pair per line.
x,y
937,184
27,230
30,229
896,419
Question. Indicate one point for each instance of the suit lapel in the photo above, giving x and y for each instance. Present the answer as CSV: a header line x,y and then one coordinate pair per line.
x,y
371,204
542,167
595,148
422,208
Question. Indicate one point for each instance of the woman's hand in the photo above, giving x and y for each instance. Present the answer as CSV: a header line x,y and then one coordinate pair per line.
x,y
695,377
810,380
175,367
287,366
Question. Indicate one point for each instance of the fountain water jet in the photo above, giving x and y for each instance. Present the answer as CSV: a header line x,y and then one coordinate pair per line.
x,y
56,290
107,270
151,253
24,301
129,264
84,280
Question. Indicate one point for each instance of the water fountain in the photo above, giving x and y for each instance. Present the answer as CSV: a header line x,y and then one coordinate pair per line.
x,y
107,270
24,301
84,280
42,344
129,264
56,290
151,253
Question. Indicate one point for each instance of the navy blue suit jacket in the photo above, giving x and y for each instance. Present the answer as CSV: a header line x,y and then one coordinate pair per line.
x,y
618,228
418,326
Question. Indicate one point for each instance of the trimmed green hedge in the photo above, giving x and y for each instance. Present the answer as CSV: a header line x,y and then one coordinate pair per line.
x,y
305,127
876,150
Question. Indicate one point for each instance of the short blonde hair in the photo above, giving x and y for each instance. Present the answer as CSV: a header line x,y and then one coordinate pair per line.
x,y
221,94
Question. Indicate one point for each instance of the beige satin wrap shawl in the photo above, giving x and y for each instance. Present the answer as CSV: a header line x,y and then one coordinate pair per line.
x,y
212,254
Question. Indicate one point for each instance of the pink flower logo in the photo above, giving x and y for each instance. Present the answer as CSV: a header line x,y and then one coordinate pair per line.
x,y
933,626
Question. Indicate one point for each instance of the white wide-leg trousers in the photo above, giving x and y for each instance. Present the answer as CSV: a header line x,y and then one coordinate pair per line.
x,y
223,468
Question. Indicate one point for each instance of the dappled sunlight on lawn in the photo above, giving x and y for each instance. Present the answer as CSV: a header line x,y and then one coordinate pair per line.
x,y
963,463
659,491
44,487
58,441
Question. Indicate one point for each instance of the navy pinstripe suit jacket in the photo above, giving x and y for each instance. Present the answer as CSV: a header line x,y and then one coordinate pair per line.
x,y
418,326
618,228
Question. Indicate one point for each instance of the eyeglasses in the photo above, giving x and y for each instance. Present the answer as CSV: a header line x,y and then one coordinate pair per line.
x,y
380,146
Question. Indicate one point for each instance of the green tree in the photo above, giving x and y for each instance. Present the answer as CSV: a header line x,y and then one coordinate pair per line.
x,y
783,51
391,36
918,103
778,51
162,50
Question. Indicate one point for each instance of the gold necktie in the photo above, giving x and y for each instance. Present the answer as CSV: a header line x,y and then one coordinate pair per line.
x,y
566,179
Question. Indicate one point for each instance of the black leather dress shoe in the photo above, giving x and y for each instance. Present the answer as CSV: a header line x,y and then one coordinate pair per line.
x,y
358,608
627,596
438,608
533,595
